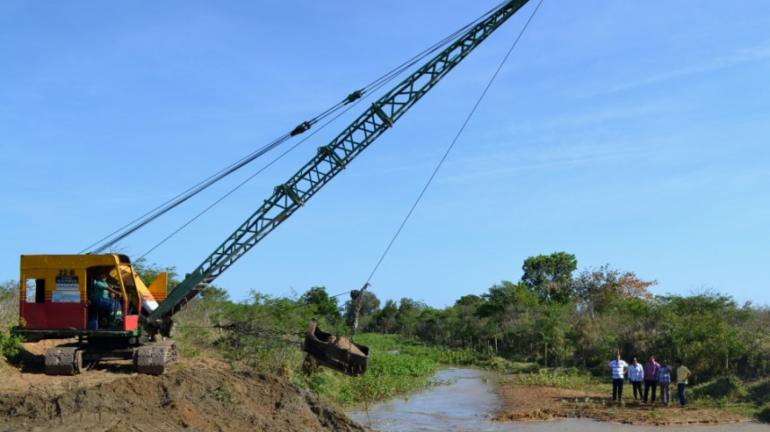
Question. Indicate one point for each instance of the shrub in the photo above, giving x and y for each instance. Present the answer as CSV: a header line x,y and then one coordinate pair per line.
x,y
500,364
763,414
10,346
557,377
759,393
726,387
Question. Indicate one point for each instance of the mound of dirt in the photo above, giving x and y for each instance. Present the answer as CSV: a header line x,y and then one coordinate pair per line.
x,y
193,397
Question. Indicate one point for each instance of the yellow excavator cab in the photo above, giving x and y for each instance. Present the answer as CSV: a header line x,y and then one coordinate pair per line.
x,y
56,294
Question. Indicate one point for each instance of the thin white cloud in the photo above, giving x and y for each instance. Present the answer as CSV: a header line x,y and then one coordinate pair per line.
x,y
584,118
493,169
738,57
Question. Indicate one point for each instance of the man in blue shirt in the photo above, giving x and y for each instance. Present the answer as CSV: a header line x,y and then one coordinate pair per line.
x,y
106,301
618,368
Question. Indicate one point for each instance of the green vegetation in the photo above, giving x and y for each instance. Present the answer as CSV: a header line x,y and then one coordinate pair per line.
x,y
763,414
554,317
731,393
395,367
569,378
554,327
728,388
9,315
10,346
759,392
9,304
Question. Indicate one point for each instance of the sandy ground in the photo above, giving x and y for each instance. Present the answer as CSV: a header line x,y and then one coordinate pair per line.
x,y
195,395
529,402
30,377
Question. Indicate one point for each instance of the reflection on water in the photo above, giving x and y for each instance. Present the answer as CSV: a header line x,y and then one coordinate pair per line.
x,y
467,403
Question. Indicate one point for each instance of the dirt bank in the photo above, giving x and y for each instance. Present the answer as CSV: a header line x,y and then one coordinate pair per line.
x,y
193,396
531,402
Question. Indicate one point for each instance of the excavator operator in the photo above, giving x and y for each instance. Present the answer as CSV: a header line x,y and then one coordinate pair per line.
x,y
107,302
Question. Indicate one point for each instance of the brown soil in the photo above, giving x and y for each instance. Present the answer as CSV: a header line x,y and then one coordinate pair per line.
x,y
529,402
195,395
345,344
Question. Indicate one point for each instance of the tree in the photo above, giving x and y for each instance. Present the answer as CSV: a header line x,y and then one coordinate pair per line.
x,y
369,305
323,304
148,273
597,290
408,316
550,276
552,329
500,297
9,304
386,319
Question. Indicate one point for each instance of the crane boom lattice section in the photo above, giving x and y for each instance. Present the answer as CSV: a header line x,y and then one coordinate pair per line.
x,y
332,159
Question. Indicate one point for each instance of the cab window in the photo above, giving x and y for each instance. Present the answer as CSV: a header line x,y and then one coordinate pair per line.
x,y
35,289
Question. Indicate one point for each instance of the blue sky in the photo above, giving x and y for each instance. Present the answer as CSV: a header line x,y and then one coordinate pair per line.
x,y
628,133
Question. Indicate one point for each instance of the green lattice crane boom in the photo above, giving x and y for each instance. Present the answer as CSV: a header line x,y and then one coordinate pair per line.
x,y
329,161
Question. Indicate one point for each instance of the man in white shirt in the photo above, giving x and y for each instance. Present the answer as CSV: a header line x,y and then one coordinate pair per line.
x,y
618,368
636,376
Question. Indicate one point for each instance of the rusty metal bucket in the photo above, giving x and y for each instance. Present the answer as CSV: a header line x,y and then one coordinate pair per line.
x,y
335,352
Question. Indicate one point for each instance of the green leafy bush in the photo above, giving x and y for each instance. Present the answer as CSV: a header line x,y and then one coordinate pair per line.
x,y
10,346
557,377
759,392
763,414
501,364
726,387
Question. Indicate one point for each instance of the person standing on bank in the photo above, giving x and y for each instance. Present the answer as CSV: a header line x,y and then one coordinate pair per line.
x,y
636,375
618,368
682,374
650,378
664,379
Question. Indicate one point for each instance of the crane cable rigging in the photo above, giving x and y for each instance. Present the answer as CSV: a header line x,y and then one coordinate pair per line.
x,y
449,148
241,184
357,295
106,242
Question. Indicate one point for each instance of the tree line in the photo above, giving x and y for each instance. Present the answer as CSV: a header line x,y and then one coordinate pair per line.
x,y
557,316
554,315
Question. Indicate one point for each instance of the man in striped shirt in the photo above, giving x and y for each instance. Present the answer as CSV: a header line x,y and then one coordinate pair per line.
x,y
618,368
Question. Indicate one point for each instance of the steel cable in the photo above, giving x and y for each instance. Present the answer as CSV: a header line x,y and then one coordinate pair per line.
x,y
134,225
451,146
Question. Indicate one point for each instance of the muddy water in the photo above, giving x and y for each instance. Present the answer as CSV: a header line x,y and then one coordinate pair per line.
x,y
469,399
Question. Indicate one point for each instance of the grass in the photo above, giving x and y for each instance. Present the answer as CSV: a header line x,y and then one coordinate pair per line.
x,y
732,395
568,378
